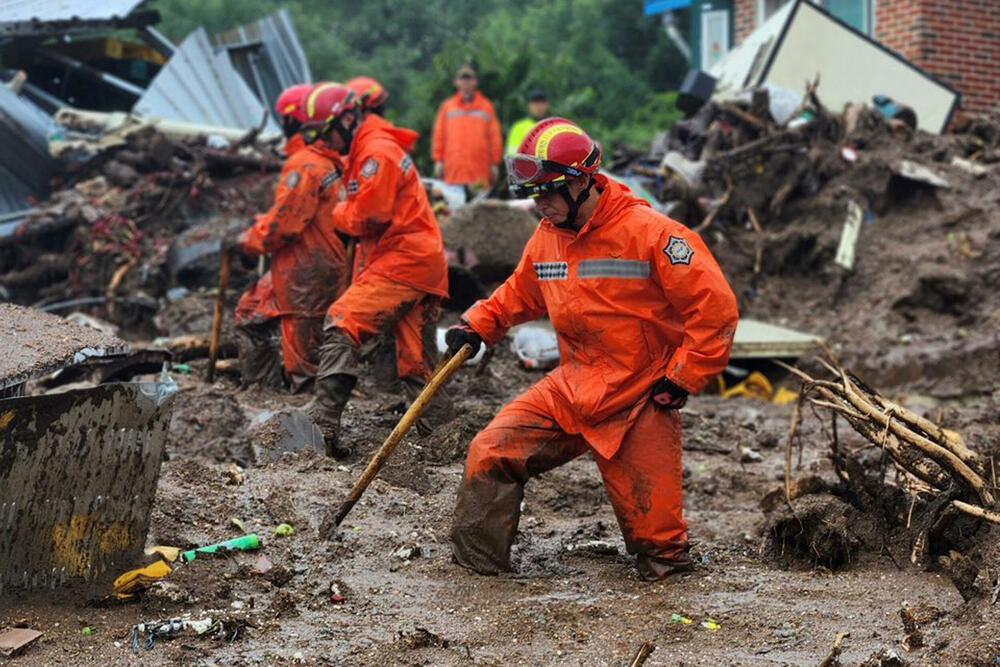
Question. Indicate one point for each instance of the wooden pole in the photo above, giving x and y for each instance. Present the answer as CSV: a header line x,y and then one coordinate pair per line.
x,y
411,416
225,266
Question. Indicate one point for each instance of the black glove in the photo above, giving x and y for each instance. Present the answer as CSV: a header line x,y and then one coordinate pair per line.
x,y
667,395
459,335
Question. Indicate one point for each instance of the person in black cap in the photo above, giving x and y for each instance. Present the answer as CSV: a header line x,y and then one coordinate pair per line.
x,y
538,108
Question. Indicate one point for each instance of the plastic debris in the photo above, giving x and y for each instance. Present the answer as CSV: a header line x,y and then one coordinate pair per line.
x,y
245,543
239,524
87,631
284,529
677,618
536,347
710,624
183,369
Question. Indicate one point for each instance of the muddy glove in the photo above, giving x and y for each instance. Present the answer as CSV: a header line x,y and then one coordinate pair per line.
x,y
459,335
667,395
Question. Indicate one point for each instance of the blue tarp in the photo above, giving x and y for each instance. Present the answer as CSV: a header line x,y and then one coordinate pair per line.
x,y
660,6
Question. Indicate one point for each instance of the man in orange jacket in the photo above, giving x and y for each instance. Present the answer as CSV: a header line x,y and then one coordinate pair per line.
x,y
401,271
644,317
466,145
307,261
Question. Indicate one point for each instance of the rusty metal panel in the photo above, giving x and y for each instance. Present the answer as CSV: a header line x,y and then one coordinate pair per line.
x,y
78,473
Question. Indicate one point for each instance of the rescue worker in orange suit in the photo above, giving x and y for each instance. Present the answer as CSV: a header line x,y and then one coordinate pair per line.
x,y
307,261
644,318
401,277
466,144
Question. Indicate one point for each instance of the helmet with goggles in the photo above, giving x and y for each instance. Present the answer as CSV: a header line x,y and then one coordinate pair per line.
x,y
554,151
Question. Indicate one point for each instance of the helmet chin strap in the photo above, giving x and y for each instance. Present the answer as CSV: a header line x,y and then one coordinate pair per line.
x,y
347,133
574,204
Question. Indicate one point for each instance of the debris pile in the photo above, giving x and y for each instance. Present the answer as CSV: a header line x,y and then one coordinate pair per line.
x,y
850,225
129,224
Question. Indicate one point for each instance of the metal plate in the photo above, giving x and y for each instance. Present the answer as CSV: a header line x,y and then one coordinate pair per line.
x,y
78,473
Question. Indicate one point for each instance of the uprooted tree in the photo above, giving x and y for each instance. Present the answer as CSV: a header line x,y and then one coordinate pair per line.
x,y
942,493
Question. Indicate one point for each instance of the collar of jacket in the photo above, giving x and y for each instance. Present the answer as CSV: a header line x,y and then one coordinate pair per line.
x,y
477,99
320,148
293,145
615,199
374,124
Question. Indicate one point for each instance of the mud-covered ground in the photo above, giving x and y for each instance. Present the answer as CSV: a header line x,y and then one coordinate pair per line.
x,y
386,592
918,319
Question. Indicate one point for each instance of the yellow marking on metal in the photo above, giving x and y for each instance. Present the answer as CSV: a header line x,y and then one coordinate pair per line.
x,y
542,145
70,540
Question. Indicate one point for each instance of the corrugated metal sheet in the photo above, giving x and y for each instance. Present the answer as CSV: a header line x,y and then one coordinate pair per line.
x,y
62,10
50,17
200,85
25,163
268,54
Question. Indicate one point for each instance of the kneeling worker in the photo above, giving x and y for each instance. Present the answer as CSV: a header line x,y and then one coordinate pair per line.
x,y
644,317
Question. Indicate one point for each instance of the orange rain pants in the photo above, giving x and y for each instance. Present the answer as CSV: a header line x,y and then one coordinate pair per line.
x,y
374,305
642,479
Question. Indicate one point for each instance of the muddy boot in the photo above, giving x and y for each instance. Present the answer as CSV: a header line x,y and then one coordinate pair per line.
x,y
485,522
332,394
260,356
652,568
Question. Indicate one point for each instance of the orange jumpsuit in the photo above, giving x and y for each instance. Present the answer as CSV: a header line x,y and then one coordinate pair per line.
x,y
400,275
307,264
634,297
467,139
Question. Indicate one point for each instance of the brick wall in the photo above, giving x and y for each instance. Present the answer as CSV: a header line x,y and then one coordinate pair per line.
x,y
744,18
956,40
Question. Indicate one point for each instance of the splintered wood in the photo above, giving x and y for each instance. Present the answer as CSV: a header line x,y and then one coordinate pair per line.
x,y
931,460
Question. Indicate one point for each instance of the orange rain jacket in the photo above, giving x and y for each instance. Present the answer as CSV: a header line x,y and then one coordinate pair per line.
x,y
467,139
634,296
307,257
387,208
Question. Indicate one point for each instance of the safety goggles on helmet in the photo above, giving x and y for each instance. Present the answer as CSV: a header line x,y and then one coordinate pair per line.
x,y
526,190
524,169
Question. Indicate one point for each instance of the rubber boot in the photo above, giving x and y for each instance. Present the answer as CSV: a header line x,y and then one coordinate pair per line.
x,y
332,394
652,568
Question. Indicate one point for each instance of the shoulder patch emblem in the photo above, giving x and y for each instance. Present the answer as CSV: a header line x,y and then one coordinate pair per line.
x,y
369,168
352,187
292,179
406,163
678,251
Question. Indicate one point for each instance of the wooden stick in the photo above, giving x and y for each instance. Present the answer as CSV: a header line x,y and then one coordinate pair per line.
x,y
992,517
225,265
352,249
833,657
411,416
792,430
642,654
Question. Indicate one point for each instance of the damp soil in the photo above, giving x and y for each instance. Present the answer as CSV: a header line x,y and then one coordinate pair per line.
x,y
385,591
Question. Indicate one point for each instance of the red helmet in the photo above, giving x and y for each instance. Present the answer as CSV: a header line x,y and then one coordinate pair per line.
x,y
553,150
326,102
369,91
290,102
